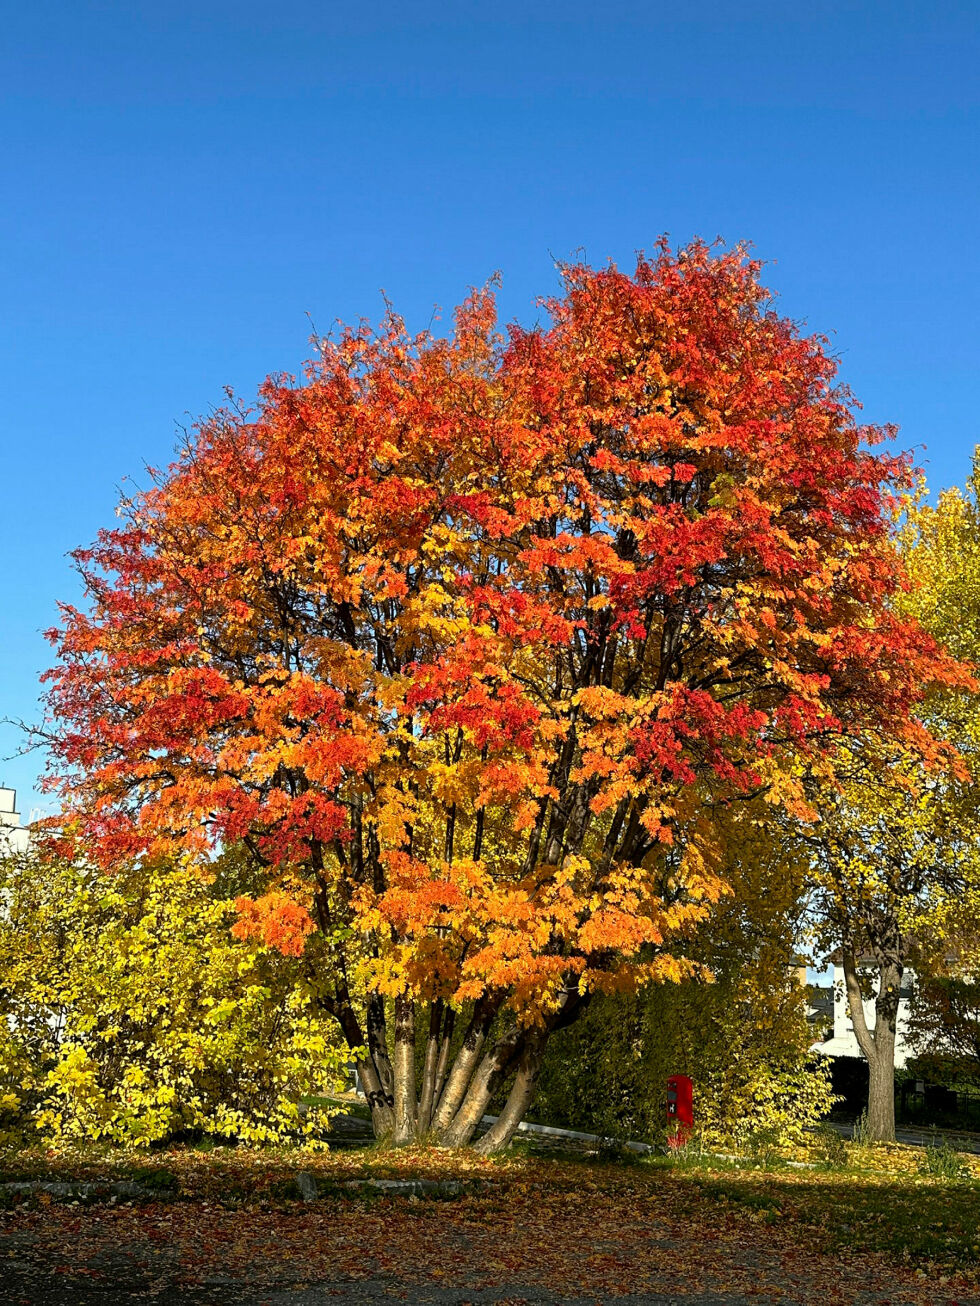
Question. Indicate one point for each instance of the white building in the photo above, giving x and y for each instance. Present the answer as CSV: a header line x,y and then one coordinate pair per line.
x,y
14,837
843,1041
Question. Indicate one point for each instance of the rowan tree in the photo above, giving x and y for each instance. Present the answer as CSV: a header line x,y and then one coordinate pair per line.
x,y
463,639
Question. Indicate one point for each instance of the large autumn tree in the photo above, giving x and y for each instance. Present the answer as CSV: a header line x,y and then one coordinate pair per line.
x,y
464,639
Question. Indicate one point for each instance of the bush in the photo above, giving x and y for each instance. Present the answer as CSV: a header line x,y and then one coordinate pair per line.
x,y
608,1073
131,1015
941,1161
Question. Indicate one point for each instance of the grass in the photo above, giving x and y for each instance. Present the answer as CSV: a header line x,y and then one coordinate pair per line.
x,y
920,1206
912,1204
921,1220
941,1161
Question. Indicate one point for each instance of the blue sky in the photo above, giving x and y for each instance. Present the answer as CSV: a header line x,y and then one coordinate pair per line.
x,y
184,183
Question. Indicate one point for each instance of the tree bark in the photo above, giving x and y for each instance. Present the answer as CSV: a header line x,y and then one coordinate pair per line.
x,y
380,1102
878,1045
377,1032
406,1107
442,1063
491,1071
429,1066
382,1115
881,1078
466,1062
521,1095
881,1094
530,1059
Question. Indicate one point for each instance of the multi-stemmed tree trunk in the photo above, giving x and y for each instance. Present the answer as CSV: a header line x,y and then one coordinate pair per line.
x,y
447,1100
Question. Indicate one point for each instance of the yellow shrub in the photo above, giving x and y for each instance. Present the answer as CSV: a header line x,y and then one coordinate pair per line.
x,y
131,1014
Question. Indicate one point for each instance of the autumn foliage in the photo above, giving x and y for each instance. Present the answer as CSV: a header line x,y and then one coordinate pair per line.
x,y
464,639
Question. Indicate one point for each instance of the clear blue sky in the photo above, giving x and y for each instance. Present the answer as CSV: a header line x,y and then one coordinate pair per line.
x,y
183,182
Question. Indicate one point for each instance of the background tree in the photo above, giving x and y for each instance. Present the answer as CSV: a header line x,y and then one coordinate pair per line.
x,y
941,549
464,638
944,1023
897,848
740,1030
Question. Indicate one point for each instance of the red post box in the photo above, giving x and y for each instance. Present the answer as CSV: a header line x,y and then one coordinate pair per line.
x,y
680,1110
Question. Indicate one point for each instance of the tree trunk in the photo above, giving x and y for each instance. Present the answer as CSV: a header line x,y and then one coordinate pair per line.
x,y
881,1077
382,1115
881,1093
406,1109
488,1077
442,1063
530,1055
464,1065
499,1135
377,1032
878,1046
378,1099
430,1066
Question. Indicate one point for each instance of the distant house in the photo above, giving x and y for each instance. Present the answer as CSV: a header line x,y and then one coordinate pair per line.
x,y
14,837
840,1040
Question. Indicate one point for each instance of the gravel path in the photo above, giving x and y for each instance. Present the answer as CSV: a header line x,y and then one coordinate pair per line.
x,y
29,1292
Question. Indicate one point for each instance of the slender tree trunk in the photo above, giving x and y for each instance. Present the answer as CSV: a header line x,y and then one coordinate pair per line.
x,y
380,1102
377,1032
499,1135
406,1107
382,1114
429,1066
442,1063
